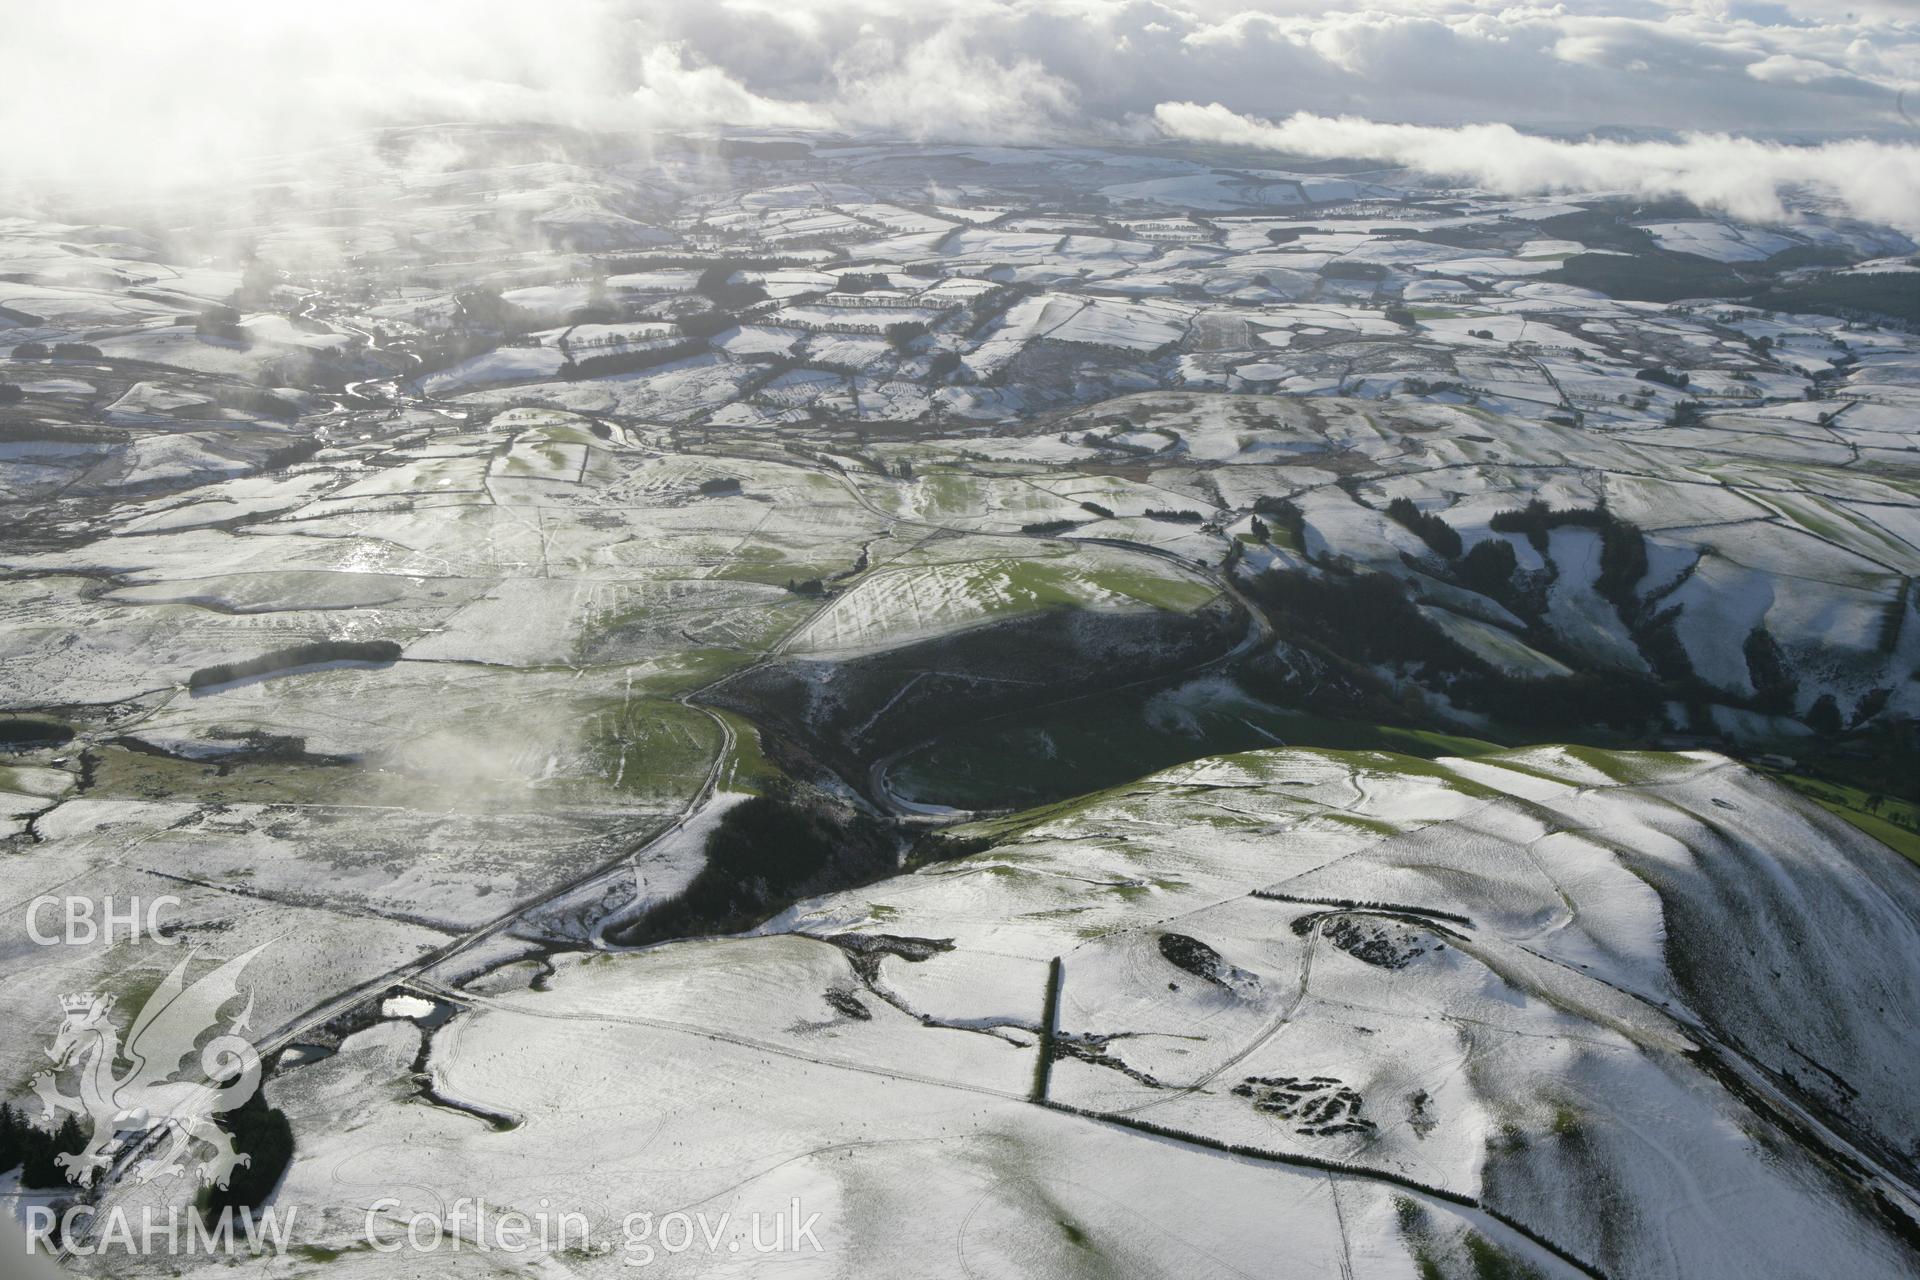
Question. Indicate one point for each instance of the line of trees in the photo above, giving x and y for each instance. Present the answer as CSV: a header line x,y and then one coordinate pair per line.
x,y
903,335
629,361
1356,621
1665,377
717,283
58,351
1623,549
29,1148
763,853
1442,537
302,655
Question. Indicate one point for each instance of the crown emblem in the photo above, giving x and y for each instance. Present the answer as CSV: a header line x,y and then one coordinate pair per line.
x,y
81,1001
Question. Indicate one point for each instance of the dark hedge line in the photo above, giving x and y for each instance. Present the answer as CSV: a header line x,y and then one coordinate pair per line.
x,y
1361,904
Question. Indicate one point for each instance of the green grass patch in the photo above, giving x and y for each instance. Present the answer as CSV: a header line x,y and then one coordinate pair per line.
x,y
772,565
1629,768
1045,584
651,749
1175,595
672,673
318,1252
1894,823
138,775
1360,822
749,770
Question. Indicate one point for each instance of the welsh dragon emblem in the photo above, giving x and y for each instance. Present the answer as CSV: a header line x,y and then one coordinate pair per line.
x,y
158,1098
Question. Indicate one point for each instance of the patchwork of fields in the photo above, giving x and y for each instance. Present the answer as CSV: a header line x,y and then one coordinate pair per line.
x,y
1070,711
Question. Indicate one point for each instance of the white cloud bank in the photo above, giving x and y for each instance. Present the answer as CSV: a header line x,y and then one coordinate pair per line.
x,y
1875,180
119,93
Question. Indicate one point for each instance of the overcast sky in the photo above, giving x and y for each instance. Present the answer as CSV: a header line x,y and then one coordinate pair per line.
x,y
105,88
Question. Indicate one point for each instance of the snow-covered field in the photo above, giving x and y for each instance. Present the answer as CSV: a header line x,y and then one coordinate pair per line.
x,y
395,595
1526,1006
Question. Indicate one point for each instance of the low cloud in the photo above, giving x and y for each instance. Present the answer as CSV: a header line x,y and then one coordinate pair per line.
x,y
941,88
117,94
1747,178
685,92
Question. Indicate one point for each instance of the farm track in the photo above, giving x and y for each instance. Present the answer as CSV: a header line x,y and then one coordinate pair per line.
x,y
723,1037
346,1002
1258,1042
